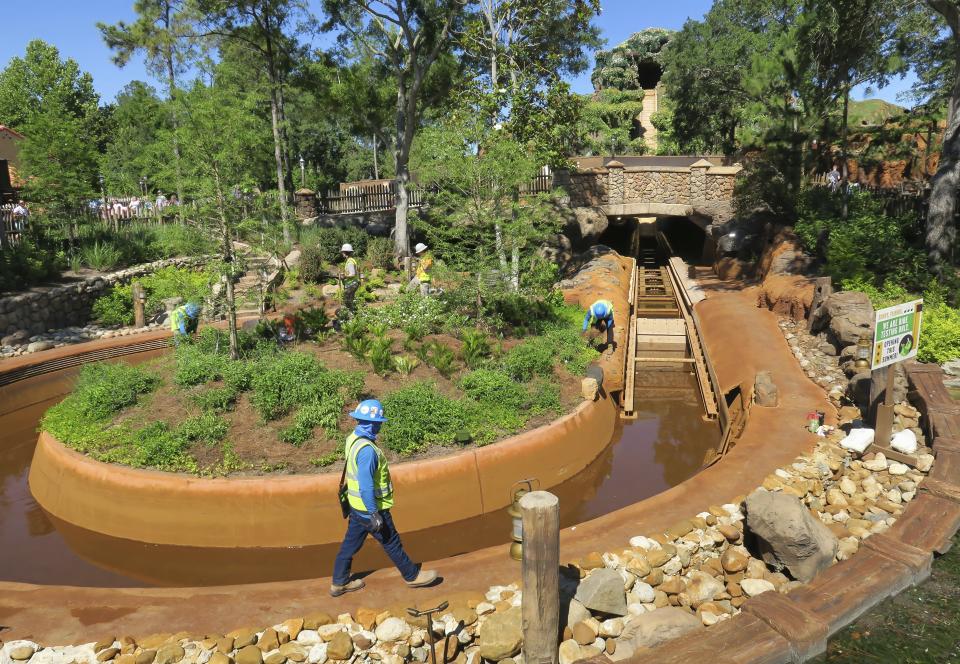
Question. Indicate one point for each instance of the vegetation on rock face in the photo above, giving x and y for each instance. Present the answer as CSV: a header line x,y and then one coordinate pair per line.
x,y
116,307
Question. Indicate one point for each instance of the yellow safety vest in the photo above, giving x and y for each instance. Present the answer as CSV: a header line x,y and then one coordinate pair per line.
x,y
382,486
422,266
347,278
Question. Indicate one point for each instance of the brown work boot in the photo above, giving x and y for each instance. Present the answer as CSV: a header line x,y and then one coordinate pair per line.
x,y
349,587
424,578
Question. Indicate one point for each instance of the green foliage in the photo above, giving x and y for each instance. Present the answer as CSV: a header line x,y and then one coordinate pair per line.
x,y
314,319
441,358
940,333
476,347
528,359
610,120
405,364
293,379
492,387
324,413
101,256
355,338
545,398
326,242
25,265
869,246
312,268
102,390
206,428
215,399
410,311
419,416
116,306
380,253
196,365
626,66
381,355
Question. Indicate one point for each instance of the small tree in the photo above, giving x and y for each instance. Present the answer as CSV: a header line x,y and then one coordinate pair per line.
x,y
480,215
215,132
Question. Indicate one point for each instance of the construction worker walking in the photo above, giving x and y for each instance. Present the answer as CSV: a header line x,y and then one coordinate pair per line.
x,y
349,276
369,494
422,278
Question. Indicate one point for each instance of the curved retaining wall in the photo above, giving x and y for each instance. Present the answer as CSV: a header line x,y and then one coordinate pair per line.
x,y
302,510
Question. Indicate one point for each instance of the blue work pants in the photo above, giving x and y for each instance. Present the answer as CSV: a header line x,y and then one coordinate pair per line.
x,y
389,538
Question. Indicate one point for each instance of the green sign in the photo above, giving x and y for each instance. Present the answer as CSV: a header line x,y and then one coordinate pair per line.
x,y
896,333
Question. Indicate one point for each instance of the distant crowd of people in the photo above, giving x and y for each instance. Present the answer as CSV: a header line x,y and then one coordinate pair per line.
x,y
134,207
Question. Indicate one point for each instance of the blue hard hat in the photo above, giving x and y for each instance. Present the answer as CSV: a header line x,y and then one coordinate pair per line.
x,y
369,410
192,309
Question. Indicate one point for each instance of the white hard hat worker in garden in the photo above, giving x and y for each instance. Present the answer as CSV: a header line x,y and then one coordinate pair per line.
x,y
600,317
369,494
422,278
349,276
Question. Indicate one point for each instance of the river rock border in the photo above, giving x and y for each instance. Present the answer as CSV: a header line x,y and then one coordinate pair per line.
x,y
43,310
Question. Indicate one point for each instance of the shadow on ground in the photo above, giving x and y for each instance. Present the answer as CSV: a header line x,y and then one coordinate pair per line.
x,y
920,625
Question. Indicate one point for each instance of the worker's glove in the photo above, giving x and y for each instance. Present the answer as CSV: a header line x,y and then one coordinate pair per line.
x,y
376,522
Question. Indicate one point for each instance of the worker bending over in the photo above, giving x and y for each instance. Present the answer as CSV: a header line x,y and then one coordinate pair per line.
x,y
184,320
370,496
600,317
422,278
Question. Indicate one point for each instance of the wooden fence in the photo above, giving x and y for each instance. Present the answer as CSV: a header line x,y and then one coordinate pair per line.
x,y
12,227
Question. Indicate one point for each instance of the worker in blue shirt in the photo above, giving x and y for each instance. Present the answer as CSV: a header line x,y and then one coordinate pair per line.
x,y
370,496
600,317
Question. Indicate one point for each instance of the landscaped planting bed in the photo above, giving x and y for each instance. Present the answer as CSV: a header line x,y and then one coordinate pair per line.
x,y
281,407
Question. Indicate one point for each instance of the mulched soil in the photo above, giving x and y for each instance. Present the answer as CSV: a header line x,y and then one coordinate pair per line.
x,y
257,443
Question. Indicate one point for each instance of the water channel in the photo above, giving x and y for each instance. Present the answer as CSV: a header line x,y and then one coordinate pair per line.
x,y
663,447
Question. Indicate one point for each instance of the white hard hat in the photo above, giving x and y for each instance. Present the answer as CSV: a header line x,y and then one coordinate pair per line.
x,y
347,248
420,247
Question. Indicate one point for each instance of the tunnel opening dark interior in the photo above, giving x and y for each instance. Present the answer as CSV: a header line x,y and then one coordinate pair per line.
x,y
684,236
649,74
619,235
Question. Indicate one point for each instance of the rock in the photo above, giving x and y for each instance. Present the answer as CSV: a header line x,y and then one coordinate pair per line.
x,y
850,314
641,542
603,592
753,587
169,654
731,533
643,592
702,588
847,547
655,627
925,462
274,658
501,635
576,612
146,656
292,626
897,468
569,652
877,464
269,640
583,634
307,637
105,655
340,647
317,654
788,535
22,652
611,628
765,392
249,655
733,561
364,640
37,346
218,658
673,585
847,485
393,629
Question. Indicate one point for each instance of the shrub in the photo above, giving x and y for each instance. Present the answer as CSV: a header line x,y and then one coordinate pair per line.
x,y
380,253
355,339
329,240
26,265
323,413
570,348
489,386
156,446
442,358
293,378
206,428
114,308
476,347
405,364
313,319
311,265
101,256
196,365
215,399
419,415
545,398
940,333
410,310
381,355
528,359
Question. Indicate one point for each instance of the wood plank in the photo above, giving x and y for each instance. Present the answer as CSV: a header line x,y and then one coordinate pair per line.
x,y
944,424
806,633
946,468
696,349
684,360
929,524
943,443
915,559
628,406
890,453
743,638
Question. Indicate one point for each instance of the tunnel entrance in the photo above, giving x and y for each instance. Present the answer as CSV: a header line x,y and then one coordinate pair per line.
x,y
685,236
619,235
648,74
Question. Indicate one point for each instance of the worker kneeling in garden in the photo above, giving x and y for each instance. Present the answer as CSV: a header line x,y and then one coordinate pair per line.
x,y
600,317
370,497
184,320
422,278
349,277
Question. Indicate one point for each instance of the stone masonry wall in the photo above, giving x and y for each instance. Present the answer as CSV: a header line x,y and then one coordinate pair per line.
x,y
588,189
657,187
720,187
40,310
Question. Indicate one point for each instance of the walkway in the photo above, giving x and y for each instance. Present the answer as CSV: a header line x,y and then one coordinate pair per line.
x,y
741,340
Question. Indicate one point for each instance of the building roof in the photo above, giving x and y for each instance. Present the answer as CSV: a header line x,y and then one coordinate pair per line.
x,y
13,132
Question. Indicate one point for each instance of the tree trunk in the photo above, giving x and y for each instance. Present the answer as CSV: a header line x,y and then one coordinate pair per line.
x,y
278,158
228,261
515,269
843,151
376,169
401,233
171,90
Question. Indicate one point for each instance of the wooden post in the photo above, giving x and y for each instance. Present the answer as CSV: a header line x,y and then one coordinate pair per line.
x,y
540,570
884,421
408,267
136,290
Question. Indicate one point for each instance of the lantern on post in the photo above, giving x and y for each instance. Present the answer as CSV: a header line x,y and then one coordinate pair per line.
x,y
517,491
862,362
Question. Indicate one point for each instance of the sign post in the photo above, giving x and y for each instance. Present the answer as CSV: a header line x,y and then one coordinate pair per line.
x,y
896,337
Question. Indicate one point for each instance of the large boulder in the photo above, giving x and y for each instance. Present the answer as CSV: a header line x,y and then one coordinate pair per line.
x,y
501,635
788,535
603,592
653,628
585,226
850,314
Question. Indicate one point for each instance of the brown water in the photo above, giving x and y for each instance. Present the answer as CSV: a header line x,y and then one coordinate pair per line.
x,y
665,446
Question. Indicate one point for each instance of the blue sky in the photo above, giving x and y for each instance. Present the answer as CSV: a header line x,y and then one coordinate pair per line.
x,y
71,27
